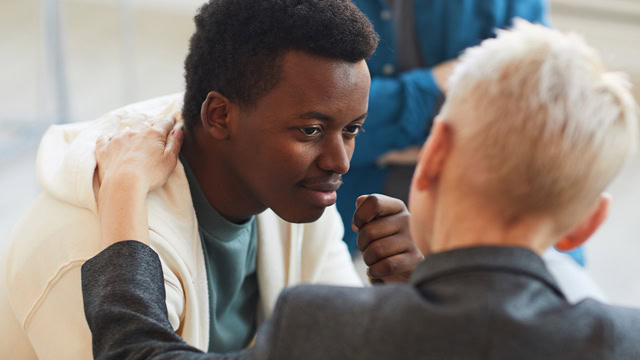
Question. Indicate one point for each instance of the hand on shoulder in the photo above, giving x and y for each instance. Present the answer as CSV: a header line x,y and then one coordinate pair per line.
x,y
131,163
146,154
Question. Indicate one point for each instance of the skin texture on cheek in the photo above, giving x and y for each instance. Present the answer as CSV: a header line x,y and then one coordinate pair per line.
x,y
274,169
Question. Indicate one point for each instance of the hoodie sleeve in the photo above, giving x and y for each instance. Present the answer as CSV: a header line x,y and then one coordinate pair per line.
x,y
55,327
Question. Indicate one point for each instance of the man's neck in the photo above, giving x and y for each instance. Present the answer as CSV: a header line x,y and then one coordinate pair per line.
x,y
224,191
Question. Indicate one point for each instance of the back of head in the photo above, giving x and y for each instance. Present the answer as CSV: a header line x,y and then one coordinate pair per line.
x,y
543,127
238,44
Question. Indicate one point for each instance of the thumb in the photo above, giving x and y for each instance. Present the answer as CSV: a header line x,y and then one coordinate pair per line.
x,y
359,201
174,142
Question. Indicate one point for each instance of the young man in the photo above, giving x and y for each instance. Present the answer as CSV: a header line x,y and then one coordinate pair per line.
x,y
533,130
276,92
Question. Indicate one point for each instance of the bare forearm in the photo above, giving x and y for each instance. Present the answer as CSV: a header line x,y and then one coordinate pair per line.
x,y
123,210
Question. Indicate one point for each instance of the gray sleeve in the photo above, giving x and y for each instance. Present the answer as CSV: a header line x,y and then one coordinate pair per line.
x,y
124,303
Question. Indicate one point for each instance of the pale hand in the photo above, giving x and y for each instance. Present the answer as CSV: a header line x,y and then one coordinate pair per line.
x,y
130,164
147,154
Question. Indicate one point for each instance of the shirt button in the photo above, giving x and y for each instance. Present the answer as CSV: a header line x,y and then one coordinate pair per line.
x,y
388,69
386,15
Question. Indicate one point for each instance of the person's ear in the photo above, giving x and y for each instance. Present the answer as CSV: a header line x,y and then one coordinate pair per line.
x,y
434,155
215,115
584,231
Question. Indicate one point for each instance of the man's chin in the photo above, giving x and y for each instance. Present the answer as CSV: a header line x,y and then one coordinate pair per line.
x,y
300,215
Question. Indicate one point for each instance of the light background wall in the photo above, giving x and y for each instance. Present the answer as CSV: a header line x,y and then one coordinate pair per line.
x,y
119,51
613,254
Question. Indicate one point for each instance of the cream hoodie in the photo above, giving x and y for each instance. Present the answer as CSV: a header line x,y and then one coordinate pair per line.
x,y
41,307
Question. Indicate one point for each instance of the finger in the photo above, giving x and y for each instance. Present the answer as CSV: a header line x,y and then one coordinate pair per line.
x,y
164,126
359,201
378,229
394,265
124,132
374,206
384,248
174,142
102,141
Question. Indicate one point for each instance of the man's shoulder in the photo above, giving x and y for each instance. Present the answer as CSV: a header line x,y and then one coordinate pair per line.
x,y
163,105
623,324
343,307
589,329
51,239
618,316
329,310
50,234
327,298
54,238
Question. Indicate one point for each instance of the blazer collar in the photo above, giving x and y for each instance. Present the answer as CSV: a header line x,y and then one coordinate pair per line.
x,y
517,260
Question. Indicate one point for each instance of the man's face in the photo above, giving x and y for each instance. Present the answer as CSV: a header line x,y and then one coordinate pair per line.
x,y
291,149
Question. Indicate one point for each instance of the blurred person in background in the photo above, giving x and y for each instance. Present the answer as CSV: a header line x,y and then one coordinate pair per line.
x,y
533,131
420,44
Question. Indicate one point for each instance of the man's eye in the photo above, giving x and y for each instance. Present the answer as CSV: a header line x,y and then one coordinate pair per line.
x,y
354,129
310,131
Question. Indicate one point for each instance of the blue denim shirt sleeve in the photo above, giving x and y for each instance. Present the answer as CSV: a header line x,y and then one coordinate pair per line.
x,y
402,105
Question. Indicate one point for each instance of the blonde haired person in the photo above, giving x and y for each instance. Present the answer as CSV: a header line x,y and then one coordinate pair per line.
x,y
534,130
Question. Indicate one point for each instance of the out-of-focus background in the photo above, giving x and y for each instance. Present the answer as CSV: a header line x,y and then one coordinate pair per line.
x,y
74,60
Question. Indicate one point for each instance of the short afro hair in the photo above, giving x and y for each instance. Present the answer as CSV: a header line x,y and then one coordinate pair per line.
x,y
238,45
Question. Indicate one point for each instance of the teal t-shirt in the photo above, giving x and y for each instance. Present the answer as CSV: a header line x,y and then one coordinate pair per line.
x,y
230,260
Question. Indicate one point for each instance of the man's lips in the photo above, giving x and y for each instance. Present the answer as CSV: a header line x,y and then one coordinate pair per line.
x,y
321,191
323,186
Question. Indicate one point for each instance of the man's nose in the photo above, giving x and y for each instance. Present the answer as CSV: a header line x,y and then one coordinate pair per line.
x,y
335,156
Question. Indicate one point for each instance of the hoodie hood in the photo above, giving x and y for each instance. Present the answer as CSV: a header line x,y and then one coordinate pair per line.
x,y
66,163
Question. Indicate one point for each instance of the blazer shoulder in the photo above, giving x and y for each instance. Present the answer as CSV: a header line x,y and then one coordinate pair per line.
x,y
334,313
624,330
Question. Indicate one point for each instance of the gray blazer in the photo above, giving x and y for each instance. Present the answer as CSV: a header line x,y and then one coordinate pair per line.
x,y
473,303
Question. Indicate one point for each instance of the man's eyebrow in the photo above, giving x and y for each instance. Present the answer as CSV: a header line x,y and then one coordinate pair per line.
x,y
361,117
314,115
324,117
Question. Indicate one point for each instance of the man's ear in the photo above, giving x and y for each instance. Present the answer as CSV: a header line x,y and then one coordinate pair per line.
x,y
584,231
215,115
434,155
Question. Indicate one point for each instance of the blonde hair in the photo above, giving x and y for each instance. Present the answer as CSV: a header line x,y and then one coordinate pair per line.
x,y
544,125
